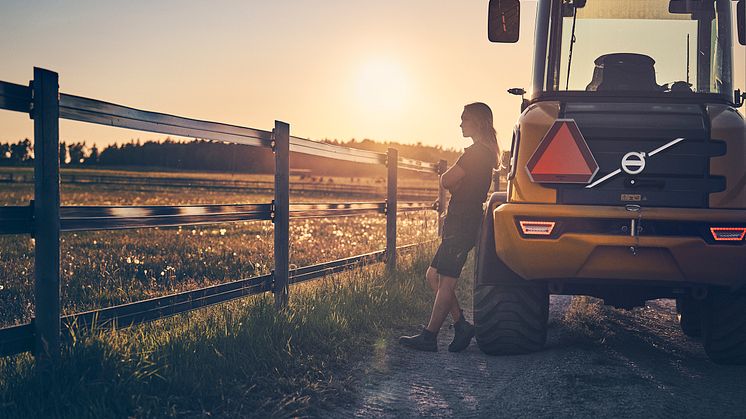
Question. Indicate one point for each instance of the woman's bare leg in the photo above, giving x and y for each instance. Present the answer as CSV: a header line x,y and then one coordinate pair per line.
x,y
445,302
431,276
433,279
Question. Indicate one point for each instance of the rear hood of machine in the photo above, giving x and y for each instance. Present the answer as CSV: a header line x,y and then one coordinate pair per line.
x,y
648,154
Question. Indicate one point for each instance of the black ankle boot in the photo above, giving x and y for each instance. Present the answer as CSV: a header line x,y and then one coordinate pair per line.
x,y
425,341
464,332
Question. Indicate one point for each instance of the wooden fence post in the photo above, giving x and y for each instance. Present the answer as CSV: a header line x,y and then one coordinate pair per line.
x,y
392,163
281,219
45,113
442,167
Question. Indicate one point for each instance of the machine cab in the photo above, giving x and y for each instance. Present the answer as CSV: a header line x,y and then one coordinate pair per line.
x,y
644,48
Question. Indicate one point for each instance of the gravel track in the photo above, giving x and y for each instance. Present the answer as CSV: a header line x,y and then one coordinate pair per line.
x,y
611,364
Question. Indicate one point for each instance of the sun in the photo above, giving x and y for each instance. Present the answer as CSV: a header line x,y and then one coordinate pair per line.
x,y
383,86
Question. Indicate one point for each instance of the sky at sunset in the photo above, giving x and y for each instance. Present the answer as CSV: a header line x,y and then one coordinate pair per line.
x,y
383,70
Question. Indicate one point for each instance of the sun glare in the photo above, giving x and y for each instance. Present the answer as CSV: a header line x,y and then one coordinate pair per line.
x,y
383,86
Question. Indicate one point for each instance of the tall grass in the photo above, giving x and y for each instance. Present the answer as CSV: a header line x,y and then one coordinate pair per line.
x,y
236,360
105,268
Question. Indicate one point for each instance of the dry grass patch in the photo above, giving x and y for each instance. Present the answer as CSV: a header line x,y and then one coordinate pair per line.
x,y
587,318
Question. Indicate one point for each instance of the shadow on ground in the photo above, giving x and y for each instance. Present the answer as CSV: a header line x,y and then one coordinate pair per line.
x,y
597,362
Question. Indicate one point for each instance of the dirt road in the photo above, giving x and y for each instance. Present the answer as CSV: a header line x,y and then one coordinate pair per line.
x,y
597,362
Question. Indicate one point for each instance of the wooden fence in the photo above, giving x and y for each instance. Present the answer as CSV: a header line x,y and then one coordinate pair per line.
x,y
44,218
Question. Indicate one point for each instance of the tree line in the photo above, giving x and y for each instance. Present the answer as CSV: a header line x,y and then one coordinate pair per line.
x,y
204,155
22,152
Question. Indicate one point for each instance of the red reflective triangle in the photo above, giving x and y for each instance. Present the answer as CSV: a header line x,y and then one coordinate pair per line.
x,y
563,156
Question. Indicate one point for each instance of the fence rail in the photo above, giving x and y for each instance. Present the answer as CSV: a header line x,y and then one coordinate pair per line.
x,y
19,219
103,113
45,218
15,97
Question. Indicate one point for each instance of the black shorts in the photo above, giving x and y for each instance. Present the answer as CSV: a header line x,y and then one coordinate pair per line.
x,y
460,231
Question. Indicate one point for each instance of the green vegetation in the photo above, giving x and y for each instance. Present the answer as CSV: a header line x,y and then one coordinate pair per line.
x,y
105,268
238,359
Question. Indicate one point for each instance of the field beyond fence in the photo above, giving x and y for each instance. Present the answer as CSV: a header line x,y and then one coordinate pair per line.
x,y
72,264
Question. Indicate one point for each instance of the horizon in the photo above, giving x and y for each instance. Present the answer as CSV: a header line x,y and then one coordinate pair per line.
x,y
184,140
389,77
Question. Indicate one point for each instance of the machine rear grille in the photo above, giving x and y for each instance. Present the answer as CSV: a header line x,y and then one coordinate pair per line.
x,y
676,177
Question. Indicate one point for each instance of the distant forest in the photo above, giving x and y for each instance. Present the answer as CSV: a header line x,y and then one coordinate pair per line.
x,y
202,155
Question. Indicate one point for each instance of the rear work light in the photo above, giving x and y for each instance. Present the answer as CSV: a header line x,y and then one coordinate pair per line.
x,y
537,228
728,233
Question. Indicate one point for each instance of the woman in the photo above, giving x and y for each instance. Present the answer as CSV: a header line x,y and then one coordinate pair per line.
x,y
468,181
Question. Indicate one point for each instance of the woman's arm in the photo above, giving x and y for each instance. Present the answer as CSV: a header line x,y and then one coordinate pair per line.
x,y
452,177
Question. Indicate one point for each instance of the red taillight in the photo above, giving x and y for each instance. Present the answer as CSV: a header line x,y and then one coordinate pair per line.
x,y
728,233
563,156
537,228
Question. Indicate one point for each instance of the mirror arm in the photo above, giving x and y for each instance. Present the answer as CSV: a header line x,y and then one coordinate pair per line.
x,y
518,91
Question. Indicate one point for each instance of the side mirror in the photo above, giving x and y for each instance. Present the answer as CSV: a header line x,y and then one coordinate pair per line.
x,y
741,21
504,21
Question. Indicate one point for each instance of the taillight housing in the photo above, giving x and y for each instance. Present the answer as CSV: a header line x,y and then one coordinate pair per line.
x,y
728,233
537,228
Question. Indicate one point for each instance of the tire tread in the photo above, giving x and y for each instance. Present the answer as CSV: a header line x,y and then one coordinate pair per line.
x,y
511,319
724,327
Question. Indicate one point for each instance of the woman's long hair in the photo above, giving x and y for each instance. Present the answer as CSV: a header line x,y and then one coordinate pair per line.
x,y
483,115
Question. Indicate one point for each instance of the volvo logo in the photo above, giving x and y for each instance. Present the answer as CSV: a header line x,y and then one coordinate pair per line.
x,y
633,163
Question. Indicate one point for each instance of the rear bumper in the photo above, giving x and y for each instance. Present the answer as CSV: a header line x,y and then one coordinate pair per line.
x,y
598,255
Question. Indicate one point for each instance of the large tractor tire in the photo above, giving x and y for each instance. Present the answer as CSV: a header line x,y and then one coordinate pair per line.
x,y
690,316
724,327
511,319
510,314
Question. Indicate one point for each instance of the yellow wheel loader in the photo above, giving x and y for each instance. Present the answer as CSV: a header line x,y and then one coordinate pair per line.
x,y
627,173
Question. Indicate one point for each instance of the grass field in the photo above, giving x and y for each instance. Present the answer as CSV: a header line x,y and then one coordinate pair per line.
x,y
407,179
143,194
237,359
105,268
240,359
